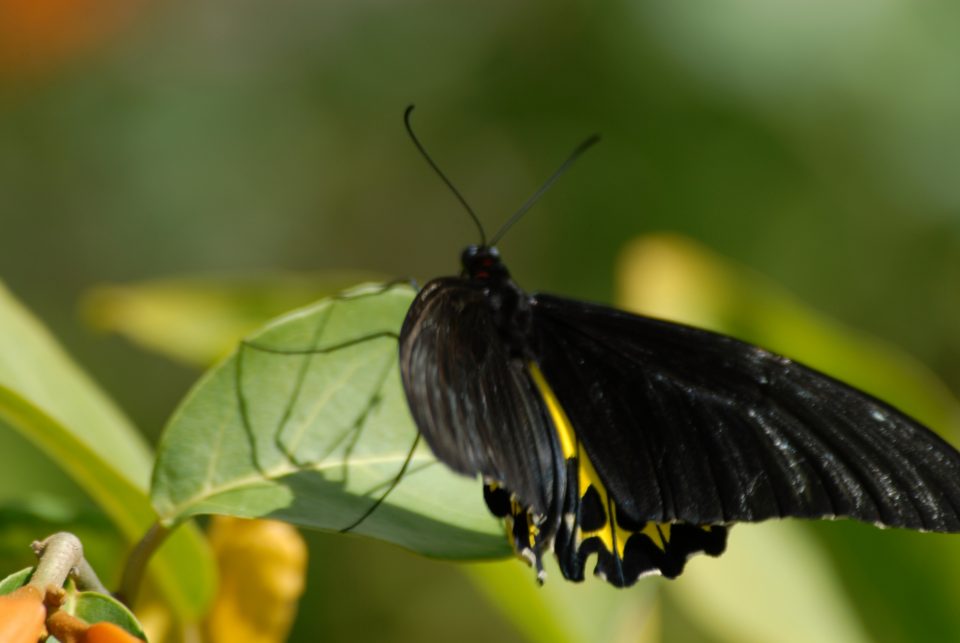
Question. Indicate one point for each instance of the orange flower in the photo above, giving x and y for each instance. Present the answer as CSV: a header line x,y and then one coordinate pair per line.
x,y
35,34
21,615
108,633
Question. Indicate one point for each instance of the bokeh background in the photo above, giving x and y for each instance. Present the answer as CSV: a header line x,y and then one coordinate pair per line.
x,y
816,142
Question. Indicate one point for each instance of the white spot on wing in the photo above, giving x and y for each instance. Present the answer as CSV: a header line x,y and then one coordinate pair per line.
x,y
879,415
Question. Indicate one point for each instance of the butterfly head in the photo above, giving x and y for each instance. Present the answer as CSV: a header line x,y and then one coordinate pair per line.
x,y
483,263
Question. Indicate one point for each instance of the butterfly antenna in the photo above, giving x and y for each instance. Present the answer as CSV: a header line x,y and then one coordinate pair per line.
x,y
580,149
443,177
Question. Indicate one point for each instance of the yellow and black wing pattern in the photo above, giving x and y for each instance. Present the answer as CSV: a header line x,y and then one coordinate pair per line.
x,y
636,441
591,523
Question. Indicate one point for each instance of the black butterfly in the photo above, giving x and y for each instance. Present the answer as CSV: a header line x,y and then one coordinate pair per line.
x,y
641,440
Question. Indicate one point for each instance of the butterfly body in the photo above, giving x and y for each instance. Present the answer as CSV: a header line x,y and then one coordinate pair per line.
x,y
470,359
639,440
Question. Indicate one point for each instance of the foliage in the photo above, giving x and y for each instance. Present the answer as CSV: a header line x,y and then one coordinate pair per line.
x,y
284,428
815,142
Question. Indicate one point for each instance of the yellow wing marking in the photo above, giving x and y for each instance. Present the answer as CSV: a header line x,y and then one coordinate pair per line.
x,y
658,533
568,438
612,532
612,535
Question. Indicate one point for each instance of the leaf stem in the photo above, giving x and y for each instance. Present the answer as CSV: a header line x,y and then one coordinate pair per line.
x,y
136,565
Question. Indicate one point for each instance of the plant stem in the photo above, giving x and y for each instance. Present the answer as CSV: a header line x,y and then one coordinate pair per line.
x,y
59,555
136,566
87,579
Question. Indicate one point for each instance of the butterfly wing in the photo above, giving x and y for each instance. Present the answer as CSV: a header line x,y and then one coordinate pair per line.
x,y
686,425
473,402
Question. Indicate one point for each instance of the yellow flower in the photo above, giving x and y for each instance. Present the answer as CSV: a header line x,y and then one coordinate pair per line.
x,y
262,567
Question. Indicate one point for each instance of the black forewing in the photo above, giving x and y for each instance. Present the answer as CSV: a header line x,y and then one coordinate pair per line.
x,y
474,404
688,425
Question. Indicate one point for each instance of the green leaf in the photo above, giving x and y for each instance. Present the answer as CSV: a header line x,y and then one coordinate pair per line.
x,y
281,430
198,320
15,580
28,474
38,498
52,403
96,608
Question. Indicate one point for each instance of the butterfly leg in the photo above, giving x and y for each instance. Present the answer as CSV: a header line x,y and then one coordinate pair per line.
x,y
289,436
305,390
296,394
524,529
393,485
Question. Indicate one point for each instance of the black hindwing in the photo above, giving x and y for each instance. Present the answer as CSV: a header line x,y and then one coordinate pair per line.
x,y
691,426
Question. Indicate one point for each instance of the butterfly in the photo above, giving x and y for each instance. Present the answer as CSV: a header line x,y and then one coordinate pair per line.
x,y
641,441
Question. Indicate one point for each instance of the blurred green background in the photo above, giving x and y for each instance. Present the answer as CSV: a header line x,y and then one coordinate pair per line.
x,y
815,142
